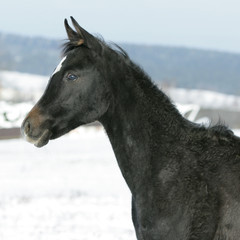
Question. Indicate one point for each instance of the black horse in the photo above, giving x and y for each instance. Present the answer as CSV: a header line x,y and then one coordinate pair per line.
x,y
184,178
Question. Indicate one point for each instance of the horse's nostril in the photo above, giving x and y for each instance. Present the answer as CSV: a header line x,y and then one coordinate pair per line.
x,y
27,127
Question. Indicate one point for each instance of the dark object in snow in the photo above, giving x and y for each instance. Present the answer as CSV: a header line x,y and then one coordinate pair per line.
x,y
184,178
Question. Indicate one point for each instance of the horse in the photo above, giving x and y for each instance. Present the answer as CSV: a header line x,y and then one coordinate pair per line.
x,y
184,178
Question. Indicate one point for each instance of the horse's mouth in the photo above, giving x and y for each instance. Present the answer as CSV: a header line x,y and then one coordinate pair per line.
x,y
40,141
40,135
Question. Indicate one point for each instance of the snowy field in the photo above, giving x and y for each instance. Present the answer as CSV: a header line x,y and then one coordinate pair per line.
x,y
72,189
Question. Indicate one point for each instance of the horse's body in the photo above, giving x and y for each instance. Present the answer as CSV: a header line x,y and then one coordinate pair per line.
x,y
184,178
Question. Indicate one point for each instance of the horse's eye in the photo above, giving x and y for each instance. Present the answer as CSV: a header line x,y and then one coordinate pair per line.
x,y
71,77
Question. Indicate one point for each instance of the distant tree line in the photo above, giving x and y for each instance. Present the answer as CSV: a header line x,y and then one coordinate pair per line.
x,y
181,67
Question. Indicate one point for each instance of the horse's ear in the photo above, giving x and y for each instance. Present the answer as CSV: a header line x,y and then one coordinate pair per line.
x,y
86,37
80,36
72,35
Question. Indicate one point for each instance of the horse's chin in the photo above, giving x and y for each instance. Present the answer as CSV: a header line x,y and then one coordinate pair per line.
x,y
44,139
60,132
57,133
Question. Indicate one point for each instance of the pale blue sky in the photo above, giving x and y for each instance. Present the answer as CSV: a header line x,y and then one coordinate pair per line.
x,y
209,24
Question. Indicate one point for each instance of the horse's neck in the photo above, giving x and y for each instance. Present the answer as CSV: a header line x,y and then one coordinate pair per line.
x,y
139,118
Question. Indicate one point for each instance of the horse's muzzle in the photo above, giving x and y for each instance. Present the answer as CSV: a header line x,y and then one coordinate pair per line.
x,y
34,130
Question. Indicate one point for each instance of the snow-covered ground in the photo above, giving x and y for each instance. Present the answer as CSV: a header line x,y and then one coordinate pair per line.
x,y
204,98
72,189
21,85
23,81
12,115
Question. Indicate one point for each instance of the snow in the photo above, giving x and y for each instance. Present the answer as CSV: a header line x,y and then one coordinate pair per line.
x,y
236,132
21,86
23,81
70,189
204,98
12,115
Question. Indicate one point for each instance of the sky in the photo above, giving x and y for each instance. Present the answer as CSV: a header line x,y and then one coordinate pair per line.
x,y
207,24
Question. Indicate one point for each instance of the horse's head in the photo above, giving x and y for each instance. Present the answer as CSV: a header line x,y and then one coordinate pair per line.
x,y
77,92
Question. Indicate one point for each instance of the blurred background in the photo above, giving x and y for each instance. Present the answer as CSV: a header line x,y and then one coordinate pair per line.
x,y
72,188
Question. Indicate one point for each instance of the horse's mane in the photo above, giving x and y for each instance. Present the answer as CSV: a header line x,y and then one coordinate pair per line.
x,y
69,46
